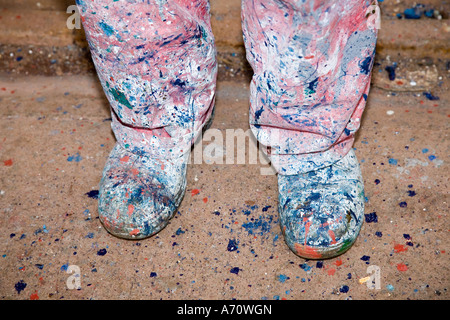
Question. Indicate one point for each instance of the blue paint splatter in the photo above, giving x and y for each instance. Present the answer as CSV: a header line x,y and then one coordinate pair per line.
x,y
153,274
259,226
344,289
179,231
429,96
392,161
20,286
305,267
76,157
101,252
90,235
403,204
282,278
107,29
232,245
411,193
371,217
365,65
92,194
391,71
235,270
366,259
412,13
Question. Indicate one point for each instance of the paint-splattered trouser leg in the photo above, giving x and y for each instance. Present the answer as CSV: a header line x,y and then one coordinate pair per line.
x,y
312,63
157,64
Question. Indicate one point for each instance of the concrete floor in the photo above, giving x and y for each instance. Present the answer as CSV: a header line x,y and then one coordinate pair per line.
x,y
225,241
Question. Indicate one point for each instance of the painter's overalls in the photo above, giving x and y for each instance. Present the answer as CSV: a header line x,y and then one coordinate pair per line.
x,y
156,61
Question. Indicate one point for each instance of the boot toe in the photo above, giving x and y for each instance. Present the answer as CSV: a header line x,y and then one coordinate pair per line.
x,y
321,212
138,196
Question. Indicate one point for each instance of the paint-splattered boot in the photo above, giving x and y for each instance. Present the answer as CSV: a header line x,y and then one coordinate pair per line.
x,y
321,212
138,195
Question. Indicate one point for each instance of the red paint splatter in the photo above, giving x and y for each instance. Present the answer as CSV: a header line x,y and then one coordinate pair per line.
x,y
8,163
134,232
331,272
400,248
333,238
125,159
402,267
130,209
205,200
34,296
195,192
338,262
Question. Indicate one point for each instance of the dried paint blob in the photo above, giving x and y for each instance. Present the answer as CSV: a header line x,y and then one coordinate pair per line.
x,y
371,217
344,289
232,245
402,267
75,158
235,270
393,161
92,194
20,286
390,287
101,252
366,259
430,96
282,278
